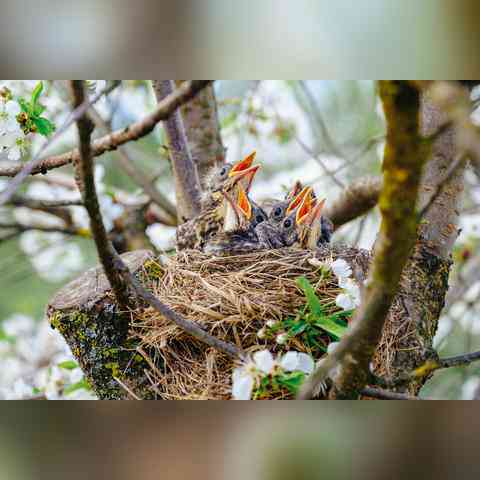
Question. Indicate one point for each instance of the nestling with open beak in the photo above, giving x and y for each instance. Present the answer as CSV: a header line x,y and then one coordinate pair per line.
x,y
238,234
195,232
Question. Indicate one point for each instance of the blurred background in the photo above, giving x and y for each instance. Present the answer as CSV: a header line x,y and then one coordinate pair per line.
x,y
326,133
228,39
258,441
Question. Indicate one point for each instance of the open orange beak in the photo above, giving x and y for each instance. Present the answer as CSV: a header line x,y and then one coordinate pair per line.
x,y
296,189
243,203
242,165
297,201
304,210
316,212
245,177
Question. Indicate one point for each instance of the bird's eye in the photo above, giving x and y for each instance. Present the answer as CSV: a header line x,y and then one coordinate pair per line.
x,y
212,234
287,223
277,212
223,171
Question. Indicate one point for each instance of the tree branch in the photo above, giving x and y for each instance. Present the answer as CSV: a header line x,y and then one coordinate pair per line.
x,y
187,183
110,142
348,364
382,394
356,200
22,171
200,118
85,177
21,227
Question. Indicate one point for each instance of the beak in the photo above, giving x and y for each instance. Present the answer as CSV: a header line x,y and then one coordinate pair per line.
x,y
314,224
243,203
296,189
304,211
245,177
242,165
305,193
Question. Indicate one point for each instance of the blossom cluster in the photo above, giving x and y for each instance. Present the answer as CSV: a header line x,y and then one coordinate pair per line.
x,y
12,138
349,298
247,377
36,361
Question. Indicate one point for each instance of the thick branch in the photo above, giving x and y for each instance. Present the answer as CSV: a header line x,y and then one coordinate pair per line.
x,y
200,118
187,183
130,133
348,365
85,177
356,200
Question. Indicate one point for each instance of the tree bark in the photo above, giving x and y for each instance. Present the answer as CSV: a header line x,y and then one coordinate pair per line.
x,y
187,182
200,118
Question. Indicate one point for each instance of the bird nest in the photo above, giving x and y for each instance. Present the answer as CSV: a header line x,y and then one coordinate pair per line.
x,y
232,298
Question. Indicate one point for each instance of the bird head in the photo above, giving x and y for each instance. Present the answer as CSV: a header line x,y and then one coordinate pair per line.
x,y
283,208
296,215
230,173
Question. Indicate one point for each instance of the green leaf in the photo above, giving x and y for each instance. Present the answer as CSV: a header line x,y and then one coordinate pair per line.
x,y
24,105
292,380
330,326
37,91
82,384
44,127
297,328
38,109
312,299
68,365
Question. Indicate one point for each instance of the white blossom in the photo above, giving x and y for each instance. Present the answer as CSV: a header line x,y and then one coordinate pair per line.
x,y
341,268
271,323
297,361
282,338
332,346
247,376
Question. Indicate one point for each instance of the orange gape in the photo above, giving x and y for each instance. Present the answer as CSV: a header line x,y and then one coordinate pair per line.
x,y
306,192
304,210
243,164
244,203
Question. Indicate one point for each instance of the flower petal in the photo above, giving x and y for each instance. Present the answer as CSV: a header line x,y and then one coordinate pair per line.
x,y
264,361
242,385
345,301
341,268
289,361
12,108
305,363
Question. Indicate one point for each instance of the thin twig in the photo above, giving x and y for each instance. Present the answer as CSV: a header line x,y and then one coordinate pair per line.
x,y
382,394
36,161
329,172
20,228
39,204
135,173
132,132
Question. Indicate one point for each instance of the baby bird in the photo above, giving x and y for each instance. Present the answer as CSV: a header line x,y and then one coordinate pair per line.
x,y
195,232
238,234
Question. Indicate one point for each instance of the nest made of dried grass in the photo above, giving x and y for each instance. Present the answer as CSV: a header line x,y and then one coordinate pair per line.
x,y
232,298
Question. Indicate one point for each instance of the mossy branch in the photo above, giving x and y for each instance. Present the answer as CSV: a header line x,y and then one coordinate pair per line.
x,y
404,157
